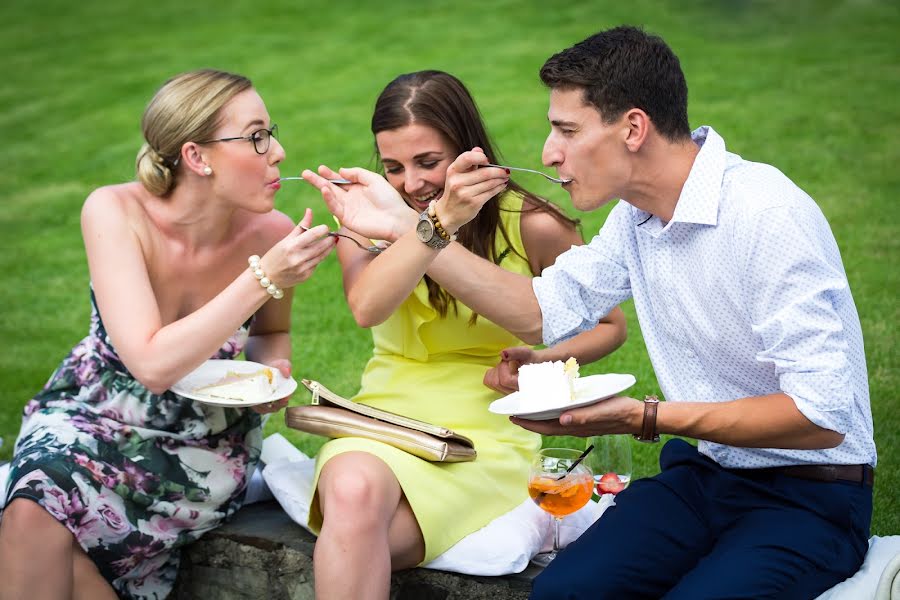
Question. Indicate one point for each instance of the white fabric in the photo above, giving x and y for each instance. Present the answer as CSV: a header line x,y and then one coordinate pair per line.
x,y
743,293
274,448
257,490
882,563
505,545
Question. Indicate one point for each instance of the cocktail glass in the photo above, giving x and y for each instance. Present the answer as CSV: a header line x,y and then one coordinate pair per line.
x,y
558,489
610,462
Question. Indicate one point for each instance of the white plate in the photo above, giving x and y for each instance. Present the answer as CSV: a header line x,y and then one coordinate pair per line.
x,y
588,390
213,370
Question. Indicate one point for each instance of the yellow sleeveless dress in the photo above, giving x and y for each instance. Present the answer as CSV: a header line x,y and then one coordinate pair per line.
x,y
432,369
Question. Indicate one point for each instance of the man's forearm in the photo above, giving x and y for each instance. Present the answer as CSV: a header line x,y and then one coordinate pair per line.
x,y
771,421
505,298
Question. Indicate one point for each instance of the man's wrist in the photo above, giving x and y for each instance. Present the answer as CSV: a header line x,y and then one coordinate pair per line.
x,y
649,431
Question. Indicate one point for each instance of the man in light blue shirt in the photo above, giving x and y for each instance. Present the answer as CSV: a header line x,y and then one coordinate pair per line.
x,y
748,319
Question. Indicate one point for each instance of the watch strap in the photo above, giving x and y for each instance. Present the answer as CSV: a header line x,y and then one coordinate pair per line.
x,y
648,427
436,240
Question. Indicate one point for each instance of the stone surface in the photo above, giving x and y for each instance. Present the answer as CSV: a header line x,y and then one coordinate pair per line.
x,y
263,554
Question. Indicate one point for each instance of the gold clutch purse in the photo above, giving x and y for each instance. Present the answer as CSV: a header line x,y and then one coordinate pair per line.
x,y
334,416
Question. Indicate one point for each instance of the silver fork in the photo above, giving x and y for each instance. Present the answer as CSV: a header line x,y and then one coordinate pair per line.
x,y
373,249
338,181
524,170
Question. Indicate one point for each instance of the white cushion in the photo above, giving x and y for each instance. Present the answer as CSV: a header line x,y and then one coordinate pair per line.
x,y
503,546
881,562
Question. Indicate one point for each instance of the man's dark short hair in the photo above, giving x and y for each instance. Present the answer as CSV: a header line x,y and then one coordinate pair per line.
x,y
624,68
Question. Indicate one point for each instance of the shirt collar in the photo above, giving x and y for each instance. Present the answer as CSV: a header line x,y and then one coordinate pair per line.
x,y
699,199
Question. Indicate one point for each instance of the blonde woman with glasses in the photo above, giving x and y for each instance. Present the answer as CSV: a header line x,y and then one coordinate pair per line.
x,y
112,472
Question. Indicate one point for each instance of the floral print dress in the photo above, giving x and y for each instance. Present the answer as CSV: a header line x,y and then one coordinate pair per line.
x,y
133,475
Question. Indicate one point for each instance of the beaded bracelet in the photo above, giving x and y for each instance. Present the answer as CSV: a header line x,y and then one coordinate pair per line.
x,y
432,212
264,281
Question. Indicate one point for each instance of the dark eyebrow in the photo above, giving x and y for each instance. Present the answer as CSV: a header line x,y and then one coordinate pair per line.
x,y
419,156
426,154
558,123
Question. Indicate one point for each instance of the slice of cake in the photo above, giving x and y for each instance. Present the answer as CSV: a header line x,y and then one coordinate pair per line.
x,y
254,386
549,383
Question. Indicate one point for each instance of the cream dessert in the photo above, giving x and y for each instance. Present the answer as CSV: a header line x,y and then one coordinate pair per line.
x,y
255,386
549,383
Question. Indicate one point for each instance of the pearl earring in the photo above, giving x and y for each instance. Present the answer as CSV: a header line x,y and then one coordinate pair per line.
x,y
207,170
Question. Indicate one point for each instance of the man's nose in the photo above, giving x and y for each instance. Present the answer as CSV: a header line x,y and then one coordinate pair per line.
x,y
550,155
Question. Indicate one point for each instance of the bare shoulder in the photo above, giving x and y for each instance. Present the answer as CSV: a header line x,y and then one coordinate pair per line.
x,y
113,203
546,226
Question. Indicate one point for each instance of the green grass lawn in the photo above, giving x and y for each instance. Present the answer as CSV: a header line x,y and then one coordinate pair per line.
x,y
803,85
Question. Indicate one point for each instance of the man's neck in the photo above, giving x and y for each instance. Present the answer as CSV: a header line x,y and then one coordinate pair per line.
x,y
660,170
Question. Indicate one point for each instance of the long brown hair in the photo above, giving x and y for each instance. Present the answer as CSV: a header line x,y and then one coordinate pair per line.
x,y
440,101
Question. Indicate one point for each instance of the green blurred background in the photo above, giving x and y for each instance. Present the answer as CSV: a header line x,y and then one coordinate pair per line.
x,y
808,86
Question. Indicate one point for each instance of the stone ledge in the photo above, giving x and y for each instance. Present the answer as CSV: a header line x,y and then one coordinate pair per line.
x,y
262,554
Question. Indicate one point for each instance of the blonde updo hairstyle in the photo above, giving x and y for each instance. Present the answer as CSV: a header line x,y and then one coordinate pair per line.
x,y
186,108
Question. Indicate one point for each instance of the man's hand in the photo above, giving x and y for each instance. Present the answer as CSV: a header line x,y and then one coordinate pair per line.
x,y
619,414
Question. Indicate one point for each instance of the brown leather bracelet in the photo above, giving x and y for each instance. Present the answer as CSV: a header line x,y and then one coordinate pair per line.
x,y
648,427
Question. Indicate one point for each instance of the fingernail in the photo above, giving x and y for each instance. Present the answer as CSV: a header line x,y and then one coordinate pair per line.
x,y
565,419
507,171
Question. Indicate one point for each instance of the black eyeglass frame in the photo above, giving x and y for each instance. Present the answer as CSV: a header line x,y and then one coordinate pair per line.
x,y
272,131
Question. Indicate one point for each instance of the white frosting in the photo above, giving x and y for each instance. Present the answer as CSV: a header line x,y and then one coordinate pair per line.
x,y
250,387
549,383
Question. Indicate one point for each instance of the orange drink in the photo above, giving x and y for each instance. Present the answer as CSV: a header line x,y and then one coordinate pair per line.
x,y
561,497
559,483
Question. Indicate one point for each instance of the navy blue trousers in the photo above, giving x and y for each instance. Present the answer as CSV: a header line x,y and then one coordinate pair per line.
x,y
697,530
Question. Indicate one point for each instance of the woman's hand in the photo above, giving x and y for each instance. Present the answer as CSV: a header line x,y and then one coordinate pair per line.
x,y
294,258
467,188
504,377
369,206
284,367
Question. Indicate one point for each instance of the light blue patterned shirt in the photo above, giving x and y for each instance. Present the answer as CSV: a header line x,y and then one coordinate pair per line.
x,y
742,293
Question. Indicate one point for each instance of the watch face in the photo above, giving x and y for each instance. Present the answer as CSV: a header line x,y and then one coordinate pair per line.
x,y
425,229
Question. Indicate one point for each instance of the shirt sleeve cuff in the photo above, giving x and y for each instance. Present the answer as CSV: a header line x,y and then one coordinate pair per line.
x,y
824,399
558,321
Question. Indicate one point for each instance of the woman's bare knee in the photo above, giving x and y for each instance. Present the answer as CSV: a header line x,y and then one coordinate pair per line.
x,y
26,521
358,490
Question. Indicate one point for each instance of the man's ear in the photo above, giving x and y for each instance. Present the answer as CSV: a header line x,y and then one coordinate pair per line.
x,y
193,159
637,127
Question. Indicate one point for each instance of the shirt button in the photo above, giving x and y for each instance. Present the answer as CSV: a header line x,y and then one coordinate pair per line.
x,y
689,353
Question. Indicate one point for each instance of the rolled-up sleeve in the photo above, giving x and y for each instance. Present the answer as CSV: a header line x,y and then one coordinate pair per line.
x,y
586,282
795,283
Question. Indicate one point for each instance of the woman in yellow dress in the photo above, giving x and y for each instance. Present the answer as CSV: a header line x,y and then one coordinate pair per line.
x,y
377,508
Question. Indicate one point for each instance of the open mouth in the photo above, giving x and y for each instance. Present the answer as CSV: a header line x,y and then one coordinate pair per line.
x,y
423,201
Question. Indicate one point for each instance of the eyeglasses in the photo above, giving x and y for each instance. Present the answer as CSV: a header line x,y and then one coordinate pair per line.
x,y
260,139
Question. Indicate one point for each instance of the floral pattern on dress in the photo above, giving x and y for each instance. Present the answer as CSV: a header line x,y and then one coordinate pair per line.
x,y
133,475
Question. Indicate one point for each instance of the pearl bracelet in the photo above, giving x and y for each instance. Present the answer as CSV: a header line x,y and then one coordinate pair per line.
x,y
264,281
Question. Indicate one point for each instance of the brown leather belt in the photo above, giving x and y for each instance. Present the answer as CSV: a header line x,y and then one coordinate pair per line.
x,y
863,474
